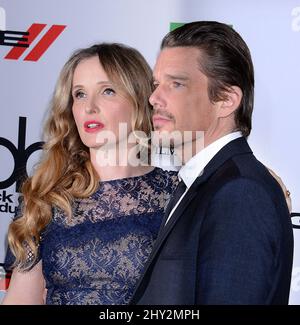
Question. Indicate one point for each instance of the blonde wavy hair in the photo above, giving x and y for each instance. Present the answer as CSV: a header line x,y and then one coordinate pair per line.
x,y
65,171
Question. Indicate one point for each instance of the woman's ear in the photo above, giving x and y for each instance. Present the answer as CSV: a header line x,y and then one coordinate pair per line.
x,y
231,102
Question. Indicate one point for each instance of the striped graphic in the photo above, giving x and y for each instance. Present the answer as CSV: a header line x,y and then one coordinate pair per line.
x,y
41,47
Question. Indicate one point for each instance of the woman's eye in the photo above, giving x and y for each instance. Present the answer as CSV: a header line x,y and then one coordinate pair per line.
x,y
108,91
79,94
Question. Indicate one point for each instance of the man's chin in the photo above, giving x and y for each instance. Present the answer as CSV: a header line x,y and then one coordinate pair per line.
x,y
166,138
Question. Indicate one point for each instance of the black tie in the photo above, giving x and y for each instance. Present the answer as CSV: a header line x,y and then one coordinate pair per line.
x,y
181,187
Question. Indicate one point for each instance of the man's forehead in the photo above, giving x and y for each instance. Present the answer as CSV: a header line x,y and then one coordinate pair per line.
x,y
174,75
177,61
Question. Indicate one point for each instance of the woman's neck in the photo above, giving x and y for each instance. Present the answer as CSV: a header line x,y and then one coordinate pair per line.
x,y
116,164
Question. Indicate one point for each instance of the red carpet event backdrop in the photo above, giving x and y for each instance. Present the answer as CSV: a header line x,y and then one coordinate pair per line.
x,y
54,29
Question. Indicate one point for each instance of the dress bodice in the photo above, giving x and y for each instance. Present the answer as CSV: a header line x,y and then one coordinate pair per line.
x,y
98,255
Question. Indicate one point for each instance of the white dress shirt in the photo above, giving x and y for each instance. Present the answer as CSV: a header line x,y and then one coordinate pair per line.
x,y
195,166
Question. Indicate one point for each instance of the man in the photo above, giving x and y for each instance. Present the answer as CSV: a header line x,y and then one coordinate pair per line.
x,y
228,238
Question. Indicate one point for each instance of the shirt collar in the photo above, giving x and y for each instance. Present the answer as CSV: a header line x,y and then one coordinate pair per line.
x,y
195,166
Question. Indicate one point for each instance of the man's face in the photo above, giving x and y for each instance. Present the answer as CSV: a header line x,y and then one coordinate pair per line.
x,y
180,100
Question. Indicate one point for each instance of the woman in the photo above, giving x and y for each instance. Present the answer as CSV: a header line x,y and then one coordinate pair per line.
x,y
89,216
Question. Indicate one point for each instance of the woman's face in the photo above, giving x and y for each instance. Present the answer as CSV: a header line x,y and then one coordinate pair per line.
x,y
99,106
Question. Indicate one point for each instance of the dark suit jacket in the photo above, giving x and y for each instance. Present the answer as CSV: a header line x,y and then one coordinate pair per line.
x,y
230,240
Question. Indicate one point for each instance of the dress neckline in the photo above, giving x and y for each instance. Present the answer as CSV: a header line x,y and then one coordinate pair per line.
x,y
154,170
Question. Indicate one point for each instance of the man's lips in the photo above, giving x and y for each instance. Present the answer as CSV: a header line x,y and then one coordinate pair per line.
x,y
93,126
158,119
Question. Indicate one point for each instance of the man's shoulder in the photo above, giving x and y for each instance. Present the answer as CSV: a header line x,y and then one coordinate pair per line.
x,y
245,172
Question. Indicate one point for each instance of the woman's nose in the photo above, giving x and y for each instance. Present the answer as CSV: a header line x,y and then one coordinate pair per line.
x,y
92,107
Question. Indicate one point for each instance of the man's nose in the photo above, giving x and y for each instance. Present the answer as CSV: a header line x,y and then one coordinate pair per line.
x,y
156,98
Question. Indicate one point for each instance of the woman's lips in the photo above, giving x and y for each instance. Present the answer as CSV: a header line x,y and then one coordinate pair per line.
x,y
93,126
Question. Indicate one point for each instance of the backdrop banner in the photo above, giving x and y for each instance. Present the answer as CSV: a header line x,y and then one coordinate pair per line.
x,y
57,28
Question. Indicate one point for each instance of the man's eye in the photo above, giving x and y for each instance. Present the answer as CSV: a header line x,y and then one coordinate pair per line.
x,y
79,94
155,85
108,91
177,84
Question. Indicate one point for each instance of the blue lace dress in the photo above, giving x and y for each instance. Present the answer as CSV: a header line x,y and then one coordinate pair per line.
x,y
98,255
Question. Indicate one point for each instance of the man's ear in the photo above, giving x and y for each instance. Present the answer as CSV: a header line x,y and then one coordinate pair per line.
x,y
231,102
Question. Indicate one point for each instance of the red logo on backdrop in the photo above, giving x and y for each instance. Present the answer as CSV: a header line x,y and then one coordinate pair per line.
x,y
4,278
32,33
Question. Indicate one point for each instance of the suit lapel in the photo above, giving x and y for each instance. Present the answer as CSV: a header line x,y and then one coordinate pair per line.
x,y
176,215
191,193
233,148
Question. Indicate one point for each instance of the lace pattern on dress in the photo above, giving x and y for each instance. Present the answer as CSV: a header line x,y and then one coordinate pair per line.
x,y
98,255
